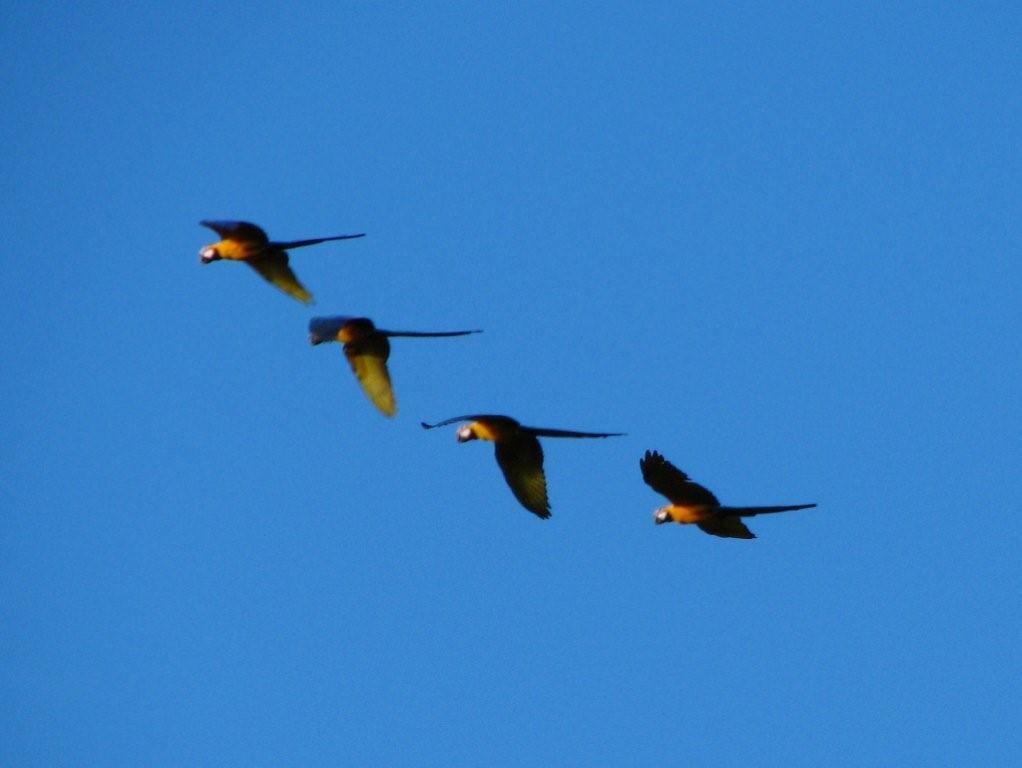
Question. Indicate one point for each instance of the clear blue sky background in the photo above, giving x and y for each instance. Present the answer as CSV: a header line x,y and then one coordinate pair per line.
x,y
779,245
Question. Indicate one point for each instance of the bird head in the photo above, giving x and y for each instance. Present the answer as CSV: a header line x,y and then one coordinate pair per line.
x,y
338,328
325,328
209,253
467,433
661,516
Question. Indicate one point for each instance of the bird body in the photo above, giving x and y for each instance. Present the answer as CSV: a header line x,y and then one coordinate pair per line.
x,y
518,452
232,250
691,503
367,349
243,241
689,513
492,429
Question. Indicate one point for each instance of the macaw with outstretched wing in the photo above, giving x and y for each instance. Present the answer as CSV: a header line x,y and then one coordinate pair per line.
x,y
519,454
242,241
367,349
692,503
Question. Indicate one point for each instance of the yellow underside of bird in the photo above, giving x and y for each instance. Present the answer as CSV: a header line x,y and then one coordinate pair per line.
x,y
484,431
686,514
351,332
232,250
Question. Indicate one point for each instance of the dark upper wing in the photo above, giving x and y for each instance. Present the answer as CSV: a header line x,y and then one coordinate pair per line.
x,y
241,231
471,417
665,478
273,266
368,359
521,460
727,528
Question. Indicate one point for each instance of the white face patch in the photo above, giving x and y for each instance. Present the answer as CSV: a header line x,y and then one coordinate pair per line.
x,y
465,433
208,253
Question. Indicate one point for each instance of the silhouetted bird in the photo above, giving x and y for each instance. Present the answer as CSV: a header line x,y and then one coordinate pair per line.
x,y
241,241
367,349
691,503
518,452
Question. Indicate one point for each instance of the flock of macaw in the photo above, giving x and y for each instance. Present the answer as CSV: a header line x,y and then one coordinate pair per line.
x,y
518,451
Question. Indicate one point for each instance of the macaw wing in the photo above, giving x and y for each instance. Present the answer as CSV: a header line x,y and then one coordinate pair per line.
x,y
274,268
242,231
368,360
727,528
521,461
667,480
504,421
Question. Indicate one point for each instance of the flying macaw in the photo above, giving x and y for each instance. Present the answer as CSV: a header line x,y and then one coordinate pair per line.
x,y
692,503
367,349
241,241
518,452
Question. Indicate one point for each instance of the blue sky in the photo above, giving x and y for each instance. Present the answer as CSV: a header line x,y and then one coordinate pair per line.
x,y
778,245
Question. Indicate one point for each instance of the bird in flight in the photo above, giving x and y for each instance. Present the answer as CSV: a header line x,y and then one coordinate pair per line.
x,y
518,452
242,241
367,349
691,503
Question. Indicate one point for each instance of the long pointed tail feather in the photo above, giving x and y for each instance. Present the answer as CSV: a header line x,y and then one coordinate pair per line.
x,y
753,511
541,432
313,241
423,334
